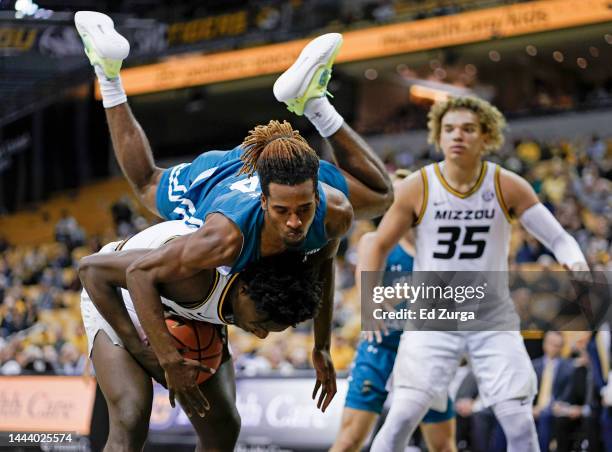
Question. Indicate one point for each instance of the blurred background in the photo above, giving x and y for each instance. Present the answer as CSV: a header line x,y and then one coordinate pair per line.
x,y
199,76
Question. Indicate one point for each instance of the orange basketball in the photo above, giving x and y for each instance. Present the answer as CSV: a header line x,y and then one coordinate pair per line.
x,y
199,341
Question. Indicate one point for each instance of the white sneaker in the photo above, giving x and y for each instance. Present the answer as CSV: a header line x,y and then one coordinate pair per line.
x,y
308,77
103,45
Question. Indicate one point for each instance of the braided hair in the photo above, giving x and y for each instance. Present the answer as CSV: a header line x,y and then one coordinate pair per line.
x,y
279,154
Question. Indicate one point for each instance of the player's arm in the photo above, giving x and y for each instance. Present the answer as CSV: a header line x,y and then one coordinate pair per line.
x,y
102,274
523,203
374,248
339,214
321,355
401,216
218,242
338,220
370,187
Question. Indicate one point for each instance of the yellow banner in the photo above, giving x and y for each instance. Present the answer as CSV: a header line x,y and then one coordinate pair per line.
x,y
475,26
17,38
46,404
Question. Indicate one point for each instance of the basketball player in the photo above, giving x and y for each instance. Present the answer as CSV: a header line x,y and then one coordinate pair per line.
x,y
372,368
271,295
243,214
465,129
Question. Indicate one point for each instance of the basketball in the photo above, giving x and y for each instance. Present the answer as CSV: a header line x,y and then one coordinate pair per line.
x,y
199,341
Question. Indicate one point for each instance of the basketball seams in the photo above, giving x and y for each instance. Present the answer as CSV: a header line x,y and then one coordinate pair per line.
x,y
209,354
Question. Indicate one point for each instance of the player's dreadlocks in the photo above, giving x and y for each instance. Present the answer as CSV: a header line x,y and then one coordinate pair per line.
x,y
279,154
284,288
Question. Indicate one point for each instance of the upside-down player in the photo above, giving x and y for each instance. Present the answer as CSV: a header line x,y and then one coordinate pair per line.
x,y
288,203
465,129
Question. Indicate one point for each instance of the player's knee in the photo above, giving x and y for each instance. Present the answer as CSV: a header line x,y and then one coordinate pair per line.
x,y
352,435
232,424
129,415
226,428
516,420
346,443
442,444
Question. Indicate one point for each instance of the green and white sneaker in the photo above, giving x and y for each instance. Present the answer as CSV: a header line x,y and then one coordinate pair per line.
x,y
104,47
308,77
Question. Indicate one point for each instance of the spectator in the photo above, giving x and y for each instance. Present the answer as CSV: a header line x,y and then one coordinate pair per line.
x,y
554,374
68,231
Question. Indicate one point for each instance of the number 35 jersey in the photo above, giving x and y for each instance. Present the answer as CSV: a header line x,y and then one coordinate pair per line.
x,y
462,231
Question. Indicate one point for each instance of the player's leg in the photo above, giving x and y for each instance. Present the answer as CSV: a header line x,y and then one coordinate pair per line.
x,y
303,87
439,427
507,382
354,430
219,429
366,393
426,362
106,49
128,392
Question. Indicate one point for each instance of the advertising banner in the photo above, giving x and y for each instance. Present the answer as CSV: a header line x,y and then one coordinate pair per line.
x,y
46,404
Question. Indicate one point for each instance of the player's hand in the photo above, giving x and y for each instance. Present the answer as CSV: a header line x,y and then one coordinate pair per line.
x,y
375,329
464,407
147,358
376,335
326,378
181,376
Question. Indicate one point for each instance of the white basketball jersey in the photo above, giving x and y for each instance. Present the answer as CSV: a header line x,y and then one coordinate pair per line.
x,y
462,231
209,308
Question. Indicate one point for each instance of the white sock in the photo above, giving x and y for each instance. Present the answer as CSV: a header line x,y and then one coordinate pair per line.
x,y
323,116
112,90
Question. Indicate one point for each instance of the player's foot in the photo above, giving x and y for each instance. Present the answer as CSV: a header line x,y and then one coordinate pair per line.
x,y
308,77
103,45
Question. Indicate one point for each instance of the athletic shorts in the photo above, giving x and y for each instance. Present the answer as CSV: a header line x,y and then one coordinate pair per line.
x,y
428,361
371,369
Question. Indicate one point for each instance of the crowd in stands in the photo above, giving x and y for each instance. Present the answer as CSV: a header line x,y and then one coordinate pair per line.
x,y
41,330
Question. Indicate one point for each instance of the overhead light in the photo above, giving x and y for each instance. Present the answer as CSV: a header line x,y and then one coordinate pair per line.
x,y
495,56
470,70
440,73
424,92
371,74
436,91
25,8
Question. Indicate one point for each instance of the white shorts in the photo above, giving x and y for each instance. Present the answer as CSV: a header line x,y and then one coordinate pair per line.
x,y
428,360
93,320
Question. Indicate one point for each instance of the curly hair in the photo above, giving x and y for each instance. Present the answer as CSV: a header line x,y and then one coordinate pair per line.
x,y
284,288
492,122
279,154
